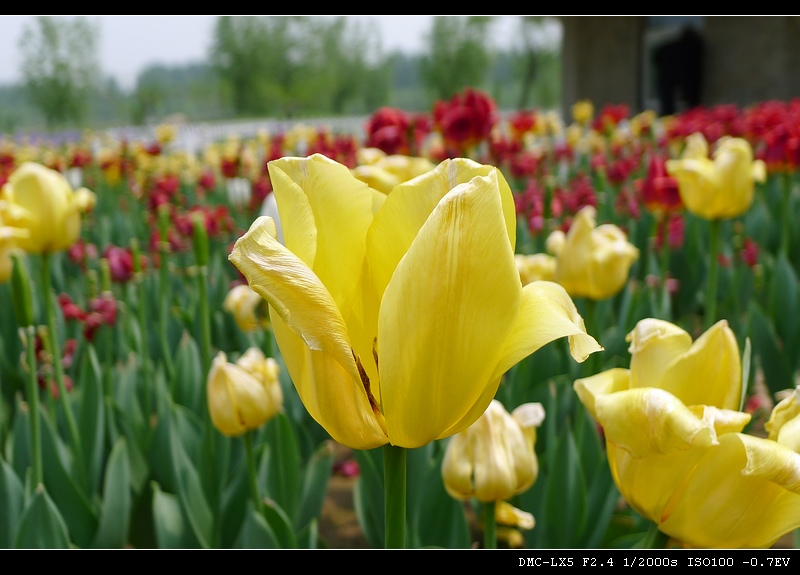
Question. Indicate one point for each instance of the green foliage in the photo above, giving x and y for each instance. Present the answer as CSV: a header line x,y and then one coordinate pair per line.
x,y
59,65
458,54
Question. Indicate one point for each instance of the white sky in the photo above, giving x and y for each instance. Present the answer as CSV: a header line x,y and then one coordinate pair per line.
x,y
128,44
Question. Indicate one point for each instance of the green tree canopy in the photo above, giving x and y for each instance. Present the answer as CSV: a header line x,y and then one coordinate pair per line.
x,y
60,66
458,54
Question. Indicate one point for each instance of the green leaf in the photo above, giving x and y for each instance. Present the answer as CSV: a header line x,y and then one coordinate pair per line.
x,y
12,502
284,482
368,496
773,361
565,509
120,426
187,384
172,527
115,515
256,532
783,303
191,494
315,485
71,500
42,526
91,416
440,519
281,525
21,439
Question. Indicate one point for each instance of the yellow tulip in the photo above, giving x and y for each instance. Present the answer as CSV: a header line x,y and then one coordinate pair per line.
x,y
385,173
242,302
720,188
535,267
583,111
592,262
238,400
494,458
45,205
398,315
675,446
9,236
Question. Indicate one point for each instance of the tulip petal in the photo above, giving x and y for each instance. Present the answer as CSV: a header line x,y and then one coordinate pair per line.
x,y
653,441
312,336
546,313
325,212
410,204
589,389
698,182
747,492
655,344
446,314
709,373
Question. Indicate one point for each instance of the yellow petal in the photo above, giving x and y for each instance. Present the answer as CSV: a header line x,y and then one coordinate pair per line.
x,y
710,372
446,314
312,336
698,184
589,389
653,440
546,313
410,204
655,344
744,493
236,400
647,421
324,213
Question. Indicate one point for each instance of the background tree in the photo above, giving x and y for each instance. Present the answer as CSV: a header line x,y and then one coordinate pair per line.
x,y
535,53
458,54
60,66
350,72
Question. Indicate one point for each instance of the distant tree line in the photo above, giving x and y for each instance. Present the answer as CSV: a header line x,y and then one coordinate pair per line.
x,y
273,66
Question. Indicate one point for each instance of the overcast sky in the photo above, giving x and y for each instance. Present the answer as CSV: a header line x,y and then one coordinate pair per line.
x,y
128,44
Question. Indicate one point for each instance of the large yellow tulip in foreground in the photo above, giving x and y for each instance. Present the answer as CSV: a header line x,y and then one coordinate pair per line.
x,y
675,446
398,314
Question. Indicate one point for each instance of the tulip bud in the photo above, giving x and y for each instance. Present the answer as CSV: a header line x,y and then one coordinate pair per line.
x,y
237,400
494,458
21,292
200,240
242,302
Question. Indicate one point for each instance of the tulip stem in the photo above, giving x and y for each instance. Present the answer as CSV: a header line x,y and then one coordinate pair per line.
x,y
394,471
144,347
164,294
655,538
711,288
58,368
665,301
489,525
251,470
787,219
33,405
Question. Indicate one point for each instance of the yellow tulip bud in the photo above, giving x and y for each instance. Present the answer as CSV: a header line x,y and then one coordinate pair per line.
x,y
494,459
675,444
266,371
45,205
592,262
237,400
242,302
